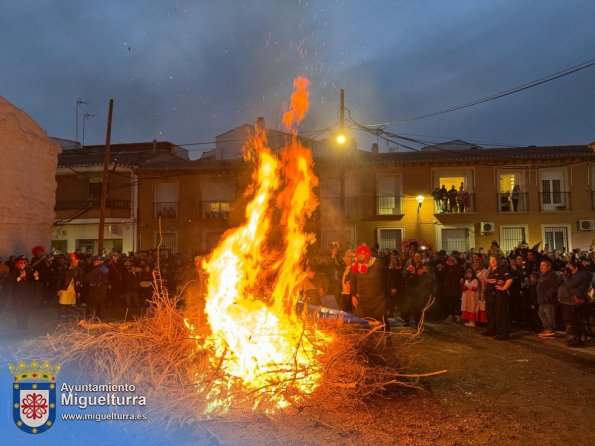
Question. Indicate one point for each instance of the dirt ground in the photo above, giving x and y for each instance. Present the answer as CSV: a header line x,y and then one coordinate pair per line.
x,y
526,391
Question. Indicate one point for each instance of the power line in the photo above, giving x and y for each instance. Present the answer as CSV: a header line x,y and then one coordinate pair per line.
x,y
526,86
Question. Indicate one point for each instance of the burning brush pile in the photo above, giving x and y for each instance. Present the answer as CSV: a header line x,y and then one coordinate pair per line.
x,y
238,344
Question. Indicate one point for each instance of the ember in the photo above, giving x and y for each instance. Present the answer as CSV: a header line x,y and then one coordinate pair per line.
x,y
258,343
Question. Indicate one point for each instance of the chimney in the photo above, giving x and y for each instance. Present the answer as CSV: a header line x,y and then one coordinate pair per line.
x,y
260,123
154,145
375,148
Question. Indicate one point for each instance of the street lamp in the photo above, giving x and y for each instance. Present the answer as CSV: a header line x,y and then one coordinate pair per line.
x,y
420,199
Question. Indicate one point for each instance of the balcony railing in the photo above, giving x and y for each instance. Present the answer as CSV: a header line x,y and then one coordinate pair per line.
x,y
463,203
332,206
214,209
389,205
513,202
91,203
165,209
554,201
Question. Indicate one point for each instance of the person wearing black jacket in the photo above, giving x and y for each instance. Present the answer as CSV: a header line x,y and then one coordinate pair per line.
x,y
496,297
20,285
577,284
98,282
547,296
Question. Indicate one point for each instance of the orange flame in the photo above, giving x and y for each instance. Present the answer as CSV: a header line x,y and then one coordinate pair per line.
x,y
254,278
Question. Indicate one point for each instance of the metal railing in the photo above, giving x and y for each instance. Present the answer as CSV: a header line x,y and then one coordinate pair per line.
x,y
512,201
214,209
91,203
165,209
389,205
461,203
554,201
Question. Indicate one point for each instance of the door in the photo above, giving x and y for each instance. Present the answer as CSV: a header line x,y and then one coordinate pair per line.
x,y
552,191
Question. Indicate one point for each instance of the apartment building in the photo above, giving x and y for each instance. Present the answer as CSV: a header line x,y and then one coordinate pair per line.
x,y
79,180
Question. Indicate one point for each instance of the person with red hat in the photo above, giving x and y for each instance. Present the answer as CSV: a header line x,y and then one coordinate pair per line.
x,y
367,286
20,285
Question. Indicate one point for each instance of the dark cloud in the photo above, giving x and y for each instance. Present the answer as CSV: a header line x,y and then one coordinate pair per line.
x,y
188,70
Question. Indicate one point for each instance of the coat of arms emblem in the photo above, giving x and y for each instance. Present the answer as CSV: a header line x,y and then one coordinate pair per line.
x,y
34,396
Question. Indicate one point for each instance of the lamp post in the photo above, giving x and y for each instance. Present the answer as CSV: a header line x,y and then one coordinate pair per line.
x,y
79,102
420,200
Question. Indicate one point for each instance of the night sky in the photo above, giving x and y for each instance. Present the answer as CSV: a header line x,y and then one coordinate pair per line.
x,y
185,71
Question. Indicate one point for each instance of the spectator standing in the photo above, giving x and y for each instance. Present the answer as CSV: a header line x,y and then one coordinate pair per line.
x,y
498,282
515,195
451,289
69,286
577,283
345,297
367,287
470,298
547,294
21,290
452,199
416,290
98,283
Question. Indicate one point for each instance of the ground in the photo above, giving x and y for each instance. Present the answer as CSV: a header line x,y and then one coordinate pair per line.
x,y
525,391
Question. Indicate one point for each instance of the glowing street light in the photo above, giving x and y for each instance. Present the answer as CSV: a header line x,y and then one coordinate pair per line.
x,y
341,138
420,199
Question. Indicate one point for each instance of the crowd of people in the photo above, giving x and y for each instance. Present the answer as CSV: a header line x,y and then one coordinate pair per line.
x,y
528,289
84,285
525,289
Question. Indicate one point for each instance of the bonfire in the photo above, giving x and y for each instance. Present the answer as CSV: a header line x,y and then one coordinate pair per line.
x,y
236,341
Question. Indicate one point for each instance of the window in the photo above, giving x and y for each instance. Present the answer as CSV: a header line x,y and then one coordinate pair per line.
x,y
169,241
512,196
510,236
556,238
217,195
390,238
456,239
388,195
553,196
166,200
446,180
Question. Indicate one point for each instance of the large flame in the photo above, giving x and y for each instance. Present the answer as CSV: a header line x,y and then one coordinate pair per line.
x,y
258,343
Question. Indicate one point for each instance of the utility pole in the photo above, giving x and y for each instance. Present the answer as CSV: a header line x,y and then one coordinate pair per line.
x,y
342,110
104,182
342,161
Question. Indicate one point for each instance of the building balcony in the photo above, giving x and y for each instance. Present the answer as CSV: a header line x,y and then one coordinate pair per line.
x,y
554,201
513,202
165,210
210,210
464,203
91,203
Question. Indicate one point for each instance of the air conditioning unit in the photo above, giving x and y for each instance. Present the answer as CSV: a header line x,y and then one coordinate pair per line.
x,y
487,227
585,225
